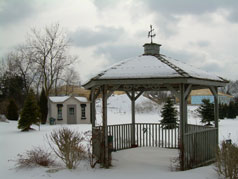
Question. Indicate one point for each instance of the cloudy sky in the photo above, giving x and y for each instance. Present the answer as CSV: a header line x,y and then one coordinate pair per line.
x,y
203,33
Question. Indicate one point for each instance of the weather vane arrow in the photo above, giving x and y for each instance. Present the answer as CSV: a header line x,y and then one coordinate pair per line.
x,y
150,34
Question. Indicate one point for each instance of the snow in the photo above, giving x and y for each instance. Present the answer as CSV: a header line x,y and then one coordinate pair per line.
x,y
152,67
136,163
59,99
81,99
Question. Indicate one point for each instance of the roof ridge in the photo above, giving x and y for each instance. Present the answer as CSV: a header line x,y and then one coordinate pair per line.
x,y
171,65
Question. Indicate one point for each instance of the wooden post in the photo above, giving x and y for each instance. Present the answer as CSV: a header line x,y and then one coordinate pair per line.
x,y
105,130
93,108
214,91
133,118
182,125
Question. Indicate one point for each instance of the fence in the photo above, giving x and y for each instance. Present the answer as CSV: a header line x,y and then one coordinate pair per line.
x,y
146,135
199,145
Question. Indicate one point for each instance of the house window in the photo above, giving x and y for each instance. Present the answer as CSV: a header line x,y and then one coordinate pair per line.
x,y
59,115
71,111
83,111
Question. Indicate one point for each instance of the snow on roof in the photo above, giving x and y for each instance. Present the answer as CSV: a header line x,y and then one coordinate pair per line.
x,y
160,66
59,99
81,99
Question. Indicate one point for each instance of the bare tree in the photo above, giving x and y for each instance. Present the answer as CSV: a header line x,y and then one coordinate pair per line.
x,y
231,88
20,62
49,47
158,96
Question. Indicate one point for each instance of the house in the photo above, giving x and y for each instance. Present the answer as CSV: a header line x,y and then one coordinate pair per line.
x,y
69,110
196,97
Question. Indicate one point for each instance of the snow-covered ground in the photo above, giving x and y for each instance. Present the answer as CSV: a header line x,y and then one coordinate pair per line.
x,y
132,163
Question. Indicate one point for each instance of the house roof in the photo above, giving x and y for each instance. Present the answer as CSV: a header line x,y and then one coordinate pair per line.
x,y
206,92
61,99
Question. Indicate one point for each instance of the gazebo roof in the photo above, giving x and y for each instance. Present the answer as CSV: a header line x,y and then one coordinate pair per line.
x,y
156,68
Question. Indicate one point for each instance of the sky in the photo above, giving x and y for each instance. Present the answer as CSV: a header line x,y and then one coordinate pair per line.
x,y
203,33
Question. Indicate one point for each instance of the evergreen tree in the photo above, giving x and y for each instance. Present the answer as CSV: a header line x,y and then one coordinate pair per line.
x,y
43,104
12,111
206,111
30,113
221,111
169,115
231,113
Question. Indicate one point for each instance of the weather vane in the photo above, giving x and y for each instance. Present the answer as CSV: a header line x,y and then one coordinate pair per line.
x,y
150,34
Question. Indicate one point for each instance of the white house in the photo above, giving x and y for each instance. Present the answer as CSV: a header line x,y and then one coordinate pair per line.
x,y
69,110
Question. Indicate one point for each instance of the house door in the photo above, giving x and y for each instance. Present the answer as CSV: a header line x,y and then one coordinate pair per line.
x,y
71,114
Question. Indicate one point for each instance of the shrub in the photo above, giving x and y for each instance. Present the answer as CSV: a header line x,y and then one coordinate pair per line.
x,y
227,160
12,111
67,145
34,157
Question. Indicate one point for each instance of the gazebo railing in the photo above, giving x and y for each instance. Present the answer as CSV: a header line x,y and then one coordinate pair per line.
x,y
146,135
199,145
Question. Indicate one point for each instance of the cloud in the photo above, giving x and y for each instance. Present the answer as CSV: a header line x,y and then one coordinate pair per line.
x,y
14,11
119,52
89,37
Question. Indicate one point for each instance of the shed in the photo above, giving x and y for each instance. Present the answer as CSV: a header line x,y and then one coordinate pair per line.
x,y
69,109
154,71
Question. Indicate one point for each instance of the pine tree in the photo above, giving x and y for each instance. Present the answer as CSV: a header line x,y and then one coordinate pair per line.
x,y
231,112
221,111
43,104
169,115
30,113
12,111
206,111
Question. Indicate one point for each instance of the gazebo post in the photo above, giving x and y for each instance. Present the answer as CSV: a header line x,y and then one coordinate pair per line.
x,y
214,91
92,107
105,130
133,118
182,125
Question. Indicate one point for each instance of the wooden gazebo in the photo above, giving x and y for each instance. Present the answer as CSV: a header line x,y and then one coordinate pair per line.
x,y
153,71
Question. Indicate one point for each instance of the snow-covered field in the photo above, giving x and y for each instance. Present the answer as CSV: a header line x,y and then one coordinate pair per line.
x,y
132,163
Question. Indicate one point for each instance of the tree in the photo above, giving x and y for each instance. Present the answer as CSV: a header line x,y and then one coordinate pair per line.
x,y
206,111
30,113
43,104
231,111
12,111
158,96
169,115
49,48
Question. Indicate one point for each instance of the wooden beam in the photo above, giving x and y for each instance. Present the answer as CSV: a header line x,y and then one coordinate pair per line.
x,y
93,107
105,130
138,95
188,90
133,118
182,125
214,91
128,94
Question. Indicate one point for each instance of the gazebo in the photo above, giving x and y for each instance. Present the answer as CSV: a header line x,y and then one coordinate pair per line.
x,y
153,71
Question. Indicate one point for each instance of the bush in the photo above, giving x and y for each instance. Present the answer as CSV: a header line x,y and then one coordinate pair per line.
x,y
12,111
34,157
67,145
227,160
